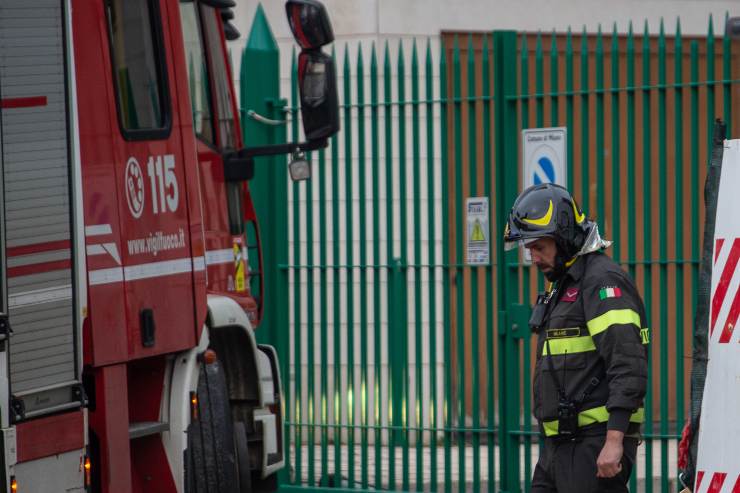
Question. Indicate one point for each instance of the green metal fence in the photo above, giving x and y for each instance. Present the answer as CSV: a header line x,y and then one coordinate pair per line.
x,y
405,369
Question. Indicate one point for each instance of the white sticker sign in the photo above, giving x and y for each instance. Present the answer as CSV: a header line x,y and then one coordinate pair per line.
x,y
478,232
544,158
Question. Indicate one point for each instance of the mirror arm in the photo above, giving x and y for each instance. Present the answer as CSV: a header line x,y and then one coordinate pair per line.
x,y
276,149
239,165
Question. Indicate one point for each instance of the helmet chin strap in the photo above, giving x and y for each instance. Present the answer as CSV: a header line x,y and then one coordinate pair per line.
x,y
561,265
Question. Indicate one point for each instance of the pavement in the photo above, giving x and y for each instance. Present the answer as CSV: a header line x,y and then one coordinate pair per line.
x,y
420,467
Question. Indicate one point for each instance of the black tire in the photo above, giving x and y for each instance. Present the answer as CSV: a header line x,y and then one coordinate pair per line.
x,y
210,459
242,457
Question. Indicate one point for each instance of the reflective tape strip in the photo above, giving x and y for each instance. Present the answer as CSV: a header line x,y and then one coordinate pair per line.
x,y
215,257
157,269
569,345
645,335
550,427
602,322
591,416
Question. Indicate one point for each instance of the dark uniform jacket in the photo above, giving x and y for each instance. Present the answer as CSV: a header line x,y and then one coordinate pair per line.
x,y
596,327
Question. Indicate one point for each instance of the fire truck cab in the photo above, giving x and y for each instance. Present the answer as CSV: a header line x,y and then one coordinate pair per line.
x,y
128,361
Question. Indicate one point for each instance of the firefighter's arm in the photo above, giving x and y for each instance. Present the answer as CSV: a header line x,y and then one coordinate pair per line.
x,y
612,307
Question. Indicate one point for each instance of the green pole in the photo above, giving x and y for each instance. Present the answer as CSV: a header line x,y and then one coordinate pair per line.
x,y
260,91
505,128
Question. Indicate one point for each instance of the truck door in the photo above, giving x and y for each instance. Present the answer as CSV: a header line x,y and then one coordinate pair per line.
x,y
151,179
39,332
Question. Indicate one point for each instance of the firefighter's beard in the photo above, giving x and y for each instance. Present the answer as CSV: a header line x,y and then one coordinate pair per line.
x,y
552,271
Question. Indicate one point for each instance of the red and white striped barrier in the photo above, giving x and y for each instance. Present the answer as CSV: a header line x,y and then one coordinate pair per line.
x,y
719,430
716,482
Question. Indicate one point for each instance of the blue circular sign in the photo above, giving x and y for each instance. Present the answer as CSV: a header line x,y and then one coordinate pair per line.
x,y
544,172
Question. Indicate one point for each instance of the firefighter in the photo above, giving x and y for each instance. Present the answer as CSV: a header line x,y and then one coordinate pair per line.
x,y
590,376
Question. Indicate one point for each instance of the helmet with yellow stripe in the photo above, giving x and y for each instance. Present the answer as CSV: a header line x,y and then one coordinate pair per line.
x,y
547,210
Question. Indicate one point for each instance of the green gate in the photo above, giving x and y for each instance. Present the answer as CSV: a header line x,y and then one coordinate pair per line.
x,y
407,369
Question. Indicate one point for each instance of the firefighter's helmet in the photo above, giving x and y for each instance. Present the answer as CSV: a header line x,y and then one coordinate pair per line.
x,y
547,210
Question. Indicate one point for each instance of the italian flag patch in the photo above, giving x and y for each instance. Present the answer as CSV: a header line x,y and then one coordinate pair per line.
x,y
605,293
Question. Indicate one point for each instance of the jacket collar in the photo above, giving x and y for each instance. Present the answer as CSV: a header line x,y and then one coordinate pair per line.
x,y
575,271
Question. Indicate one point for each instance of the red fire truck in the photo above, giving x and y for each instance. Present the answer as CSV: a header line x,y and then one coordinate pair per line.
x,y
128,361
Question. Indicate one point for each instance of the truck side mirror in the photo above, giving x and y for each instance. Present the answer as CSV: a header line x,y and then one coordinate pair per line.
x,y
317,82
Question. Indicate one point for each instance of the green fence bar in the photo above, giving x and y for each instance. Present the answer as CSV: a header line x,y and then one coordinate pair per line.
x,y
393,418
336,294
554,81
447,272
487,184
585,156
402,328
679,208
308,191
663,267
474,328
324,316
600,185
361,160
631,138
615,148
727,77
569,88
349,245
377,314
432,270
416,170
648,243
695,227
539,102
711,85
459,271
631,165
524,116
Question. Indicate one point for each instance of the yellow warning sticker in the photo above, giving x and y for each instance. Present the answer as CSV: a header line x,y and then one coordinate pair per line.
x,y
477,234
240,267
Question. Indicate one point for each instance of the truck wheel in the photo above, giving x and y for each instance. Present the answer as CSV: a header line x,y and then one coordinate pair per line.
x,y
211,457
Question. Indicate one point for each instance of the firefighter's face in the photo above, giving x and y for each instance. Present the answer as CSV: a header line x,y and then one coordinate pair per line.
x,y
543,253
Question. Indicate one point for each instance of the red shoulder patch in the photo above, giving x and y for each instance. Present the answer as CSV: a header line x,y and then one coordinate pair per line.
x,y
570,295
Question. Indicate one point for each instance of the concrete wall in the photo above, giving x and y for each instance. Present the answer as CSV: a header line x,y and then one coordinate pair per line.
x,y
364,20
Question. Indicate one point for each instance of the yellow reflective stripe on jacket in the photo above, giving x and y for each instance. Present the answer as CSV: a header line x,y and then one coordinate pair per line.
x,y
569,345
602,322
591,416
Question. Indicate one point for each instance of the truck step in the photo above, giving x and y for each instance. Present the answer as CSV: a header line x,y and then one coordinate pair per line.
x,y
146,428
